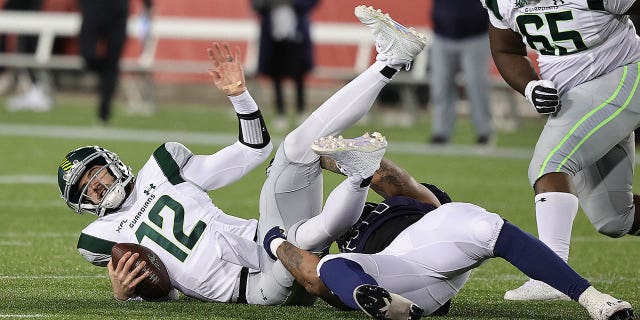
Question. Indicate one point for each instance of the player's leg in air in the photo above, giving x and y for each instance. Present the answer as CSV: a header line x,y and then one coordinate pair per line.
x,y
293,190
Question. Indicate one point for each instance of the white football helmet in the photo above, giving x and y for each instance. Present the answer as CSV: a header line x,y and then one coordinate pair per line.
x,y
73,167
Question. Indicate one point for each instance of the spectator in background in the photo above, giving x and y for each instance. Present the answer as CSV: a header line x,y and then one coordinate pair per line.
x,y
34,96
286,50
460,42
102,37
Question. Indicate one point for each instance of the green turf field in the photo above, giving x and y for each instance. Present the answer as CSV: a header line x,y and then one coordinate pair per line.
x,y
43,276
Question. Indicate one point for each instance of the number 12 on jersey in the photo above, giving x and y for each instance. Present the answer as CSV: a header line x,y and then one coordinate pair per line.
x,y
187,240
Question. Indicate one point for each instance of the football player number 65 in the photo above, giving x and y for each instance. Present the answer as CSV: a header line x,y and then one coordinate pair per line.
x,y
187,240
557,42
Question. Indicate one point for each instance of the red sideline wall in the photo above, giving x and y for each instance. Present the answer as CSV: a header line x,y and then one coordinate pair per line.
x,y
410,12
413,12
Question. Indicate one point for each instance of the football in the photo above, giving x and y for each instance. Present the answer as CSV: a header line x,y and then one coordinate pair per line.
x,y
157,285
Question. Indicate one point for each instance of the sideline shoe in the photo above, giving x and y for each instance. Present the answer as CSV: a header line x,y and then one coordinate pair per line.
x,y
602,306
439,140
534,290
396,44
35,99
358,156
379,303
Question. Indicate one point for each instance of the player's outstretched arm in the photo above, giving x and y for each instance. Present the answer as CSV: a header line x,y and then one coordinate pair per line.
x,y
391,180
254,145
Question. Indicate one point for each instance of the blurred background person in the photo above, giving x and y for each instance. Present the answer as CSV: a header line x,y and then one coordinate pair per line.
x,y
286,50
32,93
460,43
102,37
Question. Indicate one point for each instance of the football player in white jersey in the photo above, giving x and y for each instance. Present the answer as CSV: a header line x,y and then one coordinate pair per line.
x,y
588,55
408,256
209,254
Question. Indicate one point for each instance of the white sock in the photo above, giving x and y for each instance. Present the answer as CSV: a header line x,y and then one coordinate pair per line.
x,y
342,209
587,295
555,212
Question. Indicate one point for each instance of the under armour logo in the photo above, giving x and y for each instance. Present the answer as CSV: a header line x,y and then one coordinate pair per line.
x,y
262,293
148,191
555,2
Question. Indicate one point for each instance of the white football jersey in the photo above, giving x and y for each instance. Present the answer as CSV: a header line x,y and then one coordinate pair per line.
x,y
576,40
174,217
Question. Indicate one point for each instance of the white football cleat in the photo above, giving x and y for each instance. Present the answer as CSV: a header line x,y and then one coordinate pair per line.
x,y
396,44
379,303
534,290
602,306
358,156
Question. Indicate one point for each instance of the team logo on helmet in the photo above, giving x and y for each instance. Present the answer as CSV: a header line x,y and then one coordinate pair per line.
x,y
66,167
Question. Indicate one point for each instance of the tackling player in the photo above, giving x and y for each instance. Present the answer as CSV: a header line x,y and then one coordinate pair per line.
x,y
213,256
589,55
411,254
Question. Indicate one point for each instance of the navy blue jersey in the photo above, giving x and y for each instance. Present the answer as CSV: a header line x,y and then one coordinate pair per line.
x,y
380,223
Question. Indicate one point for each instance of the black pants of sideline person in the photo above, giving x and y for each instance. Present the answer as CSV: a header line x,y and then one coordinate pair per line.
x,y
102,37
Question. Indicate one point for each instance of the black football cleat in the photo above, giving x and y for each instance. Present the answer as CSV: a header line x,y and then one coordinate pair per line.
x,y
625,314
380,304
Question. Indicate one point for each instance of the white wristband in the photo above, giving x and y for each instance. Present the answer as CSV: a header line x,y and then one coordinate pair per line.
x,y
275,243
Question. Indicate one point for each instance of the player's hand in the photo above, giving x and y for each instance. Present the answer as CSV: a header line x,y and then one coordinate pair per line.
x,y
226,69
543,95
273,234
124,279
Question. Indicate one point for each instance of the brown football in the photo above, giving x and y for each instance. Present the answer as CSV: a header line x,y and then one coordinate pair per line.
x,y
157,285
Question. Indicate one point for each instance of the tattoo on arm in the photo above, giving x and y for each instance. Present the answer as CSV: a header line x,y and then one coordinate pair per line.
x,y
389,179
329,164
290,256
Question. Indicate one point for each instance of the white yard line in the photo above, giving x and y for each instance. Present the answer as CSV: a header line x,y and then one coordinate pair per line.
x,y
21,235
15,244
28,179
24,315
27,277
220,139
146,135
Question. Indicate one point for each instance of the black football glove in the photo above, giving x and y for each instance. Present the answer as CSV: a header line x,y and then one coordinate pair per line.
x,y
543,95
274,233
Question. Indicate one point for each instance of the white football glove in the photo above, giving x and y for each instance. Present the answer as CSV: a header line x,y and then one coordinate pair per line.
x,y
543,95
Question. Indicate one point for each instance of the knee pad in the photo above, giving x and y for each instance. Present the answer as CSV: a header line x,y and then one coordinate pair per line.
x,y
486,230
613,228
612,213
